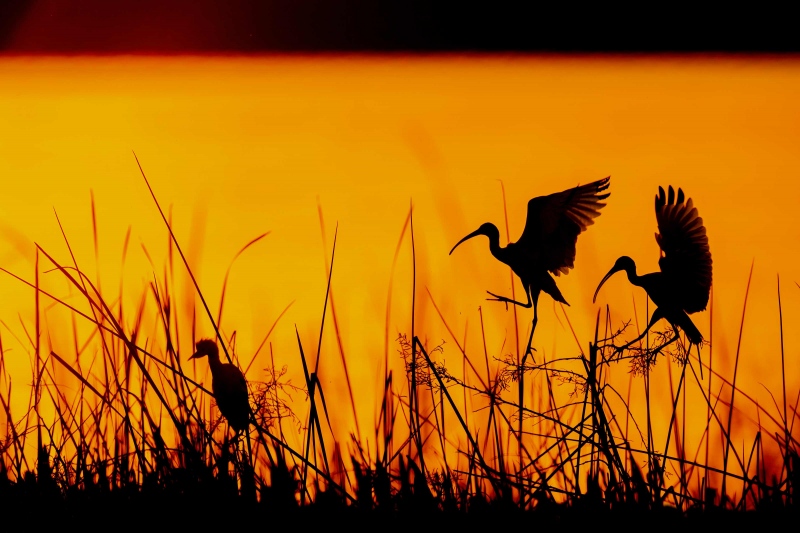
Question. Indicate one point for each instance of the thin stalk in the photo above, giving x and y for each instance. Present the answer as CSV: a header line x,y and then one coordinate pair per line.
x,y
733,385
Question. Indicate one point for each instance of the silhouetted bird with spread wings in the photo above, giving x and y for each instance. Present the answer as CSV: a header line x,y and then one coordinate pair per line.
x,y
684,283
547,244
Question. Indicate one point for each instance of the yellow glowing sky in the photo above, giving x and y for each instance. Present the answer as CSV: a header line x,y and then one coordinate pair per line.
x,y
240,146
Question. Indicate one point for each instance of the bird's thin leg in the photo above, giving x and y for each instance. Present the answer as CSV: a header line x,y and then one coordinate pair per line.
x,y
530,348
507,301
657,315
674,338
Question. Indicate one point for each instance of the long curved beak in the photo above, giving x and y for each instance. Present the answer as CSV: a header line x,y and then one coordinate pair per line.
x,y
195,355
611,272
468,237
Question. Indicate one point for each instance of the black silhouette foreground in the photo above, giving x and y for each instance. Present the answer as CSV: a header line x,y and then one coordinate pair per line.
x,y
547,244
228,385
684,283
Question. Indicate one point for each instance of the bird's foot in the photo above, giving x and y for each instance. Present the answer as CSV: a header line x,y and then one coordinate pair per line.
x,y
498,298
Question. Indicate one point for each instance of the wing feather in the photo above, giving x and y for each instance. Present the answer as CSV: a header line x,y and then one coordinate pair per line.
x,y
686,257
555,221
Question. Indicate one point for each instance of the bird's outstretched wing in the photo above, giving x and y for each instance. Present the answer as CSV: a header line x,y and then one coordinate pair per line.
x,y
555,221
686,258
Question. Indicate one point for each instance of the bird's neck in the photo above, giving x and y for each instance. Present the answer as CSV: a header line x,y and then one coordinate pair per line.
x,y
494,245
214,362
633,277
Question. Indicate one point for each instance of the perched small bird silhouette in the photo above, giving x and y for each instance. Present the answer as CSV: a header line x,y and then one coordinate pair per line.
x,y
228,385
547,244
684,283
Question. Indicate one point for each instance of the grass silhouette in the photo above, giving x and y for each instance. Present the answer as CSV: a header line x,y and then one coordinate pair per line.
x,y
140,438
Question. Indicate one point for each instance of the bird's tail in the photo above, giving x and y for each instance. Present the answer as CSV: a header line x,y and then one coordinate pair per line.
x,y
549,286
688,327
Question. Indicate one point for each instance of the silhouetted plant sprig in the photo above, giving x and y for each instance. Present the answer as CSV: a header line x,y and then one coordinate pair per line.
x,y
419,367
511,370
643,356
272,399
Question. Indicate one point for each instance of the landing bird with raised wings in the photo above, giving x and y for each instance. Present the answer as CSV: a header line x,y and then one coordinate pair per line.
x,y
228,385
547,244
684,283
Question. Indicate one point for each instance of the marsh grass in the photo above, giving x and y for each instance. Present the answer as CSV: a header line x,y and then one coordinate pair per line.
x,y
138,438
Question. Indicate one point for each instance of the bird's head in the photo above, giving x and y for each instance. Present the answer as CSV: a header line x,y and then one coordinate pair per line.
x,y
206,347
623,263
488,229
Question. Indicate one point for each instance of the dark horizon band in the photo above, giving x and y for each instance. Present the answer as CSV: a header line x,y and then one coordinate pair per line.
x,y
388,26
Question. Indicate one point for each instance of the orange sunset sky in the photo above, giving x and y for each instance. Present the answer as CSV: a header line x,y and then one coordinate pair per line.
x,y
241,146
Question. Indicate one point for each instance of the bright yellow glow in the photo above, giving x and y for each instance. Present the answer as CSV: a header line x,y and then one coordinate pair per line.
x,y
241,146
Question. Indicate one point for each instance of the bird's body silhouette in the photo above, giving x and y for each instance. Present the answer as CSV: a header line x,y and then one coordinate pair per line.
x,y
228,385
684,283
547,244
